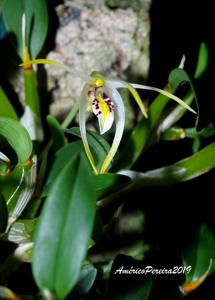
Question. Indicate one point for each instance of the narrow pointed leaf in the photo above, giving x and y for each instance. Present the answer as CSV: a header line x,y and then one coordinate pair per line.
x,y
36,19
57,133
64,229
18,138
202,61
6,108
200,255
179,77
186,169
140,134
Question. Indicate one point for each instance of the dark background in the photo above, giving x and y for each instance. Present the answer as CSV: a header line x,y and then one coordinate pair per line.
x,y
177,28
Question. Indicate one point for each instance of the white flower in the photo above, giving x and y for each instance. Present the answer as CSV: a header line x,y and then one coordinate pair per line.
x,y
100,96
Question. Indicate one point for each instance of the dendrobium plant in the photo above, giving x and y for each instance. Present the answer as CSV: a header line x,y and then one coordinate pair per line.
x,y
100,95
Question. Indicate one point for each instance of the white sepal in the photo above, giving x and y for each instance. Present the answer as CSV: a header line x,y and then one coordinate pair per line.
x,y
120,124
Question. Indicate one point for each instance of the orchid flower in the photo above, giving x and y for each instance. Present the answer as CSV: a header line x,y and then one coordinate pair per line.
x,y
101,97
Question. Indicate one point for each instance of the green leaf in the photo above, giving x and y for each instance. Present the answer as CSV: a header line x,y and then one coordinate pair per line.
x,y
186,169
36,20
6,109
98,144
105,183
109,183
178,77
85,282
12,14
138,139
57,133
18,138
3,215
60,160
202,61
199,258
199,253
64,229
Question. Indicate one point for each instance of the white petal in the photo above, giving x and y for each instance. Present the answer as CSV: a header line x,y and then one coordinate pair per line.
x,y
130,87
104,126
104,112
116,84
120,124
82,123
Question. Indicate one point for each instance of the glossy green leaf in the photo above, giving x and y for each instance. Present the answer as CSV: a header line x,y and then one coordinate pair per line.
x,y
186,169
109,183
57,133
199,254
202,61
98,144
60,160
36,20
18,138
12,14
6,108
85,282
3,215
178,77
199,258
140,134
65,228
175,114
